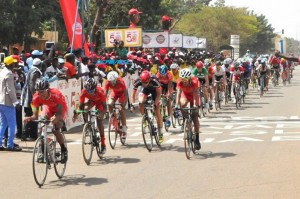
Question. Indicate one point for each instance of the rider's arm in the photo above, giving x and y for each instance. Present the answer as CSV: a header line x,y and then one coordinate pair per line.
x,y
34,116
206,81
133,96
178,96
158,94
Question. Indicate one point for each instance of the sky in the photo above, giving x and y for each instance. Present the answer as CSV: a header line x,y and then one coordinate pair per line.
x,y
281,14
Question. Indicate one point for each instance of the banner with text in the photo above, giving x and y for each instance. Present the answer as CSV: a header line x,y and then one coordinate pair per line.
x,y
132,37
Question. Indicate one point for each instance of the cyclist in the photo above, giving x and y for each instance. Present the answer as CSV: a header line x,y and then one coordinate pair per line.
x,y
188,93
275,65
226,66
175,74
236,72
220,76
211,79
165,79
262,71
118,92
150,85
285,70
96,97
201,73
247,72
54,109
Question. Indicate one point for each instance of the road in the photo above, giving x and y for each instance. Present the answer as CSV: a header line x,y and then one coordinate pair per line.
x,y
247,153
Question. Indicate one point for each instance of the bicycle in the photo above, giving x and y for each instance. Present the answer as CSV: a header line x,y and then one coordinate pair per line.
x,y
115,127
262,84
237,94
149,128
46,151
218,97
189,135
90,136
176,116
163,107
203,108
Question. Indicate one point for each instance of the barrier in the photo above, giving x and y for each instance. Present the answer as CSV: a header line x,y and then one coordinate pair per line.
x,y
71,90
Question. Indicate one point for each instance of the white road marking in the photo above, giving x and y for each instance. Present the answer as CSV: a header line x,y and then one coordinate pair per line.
x,y
278,131
208,140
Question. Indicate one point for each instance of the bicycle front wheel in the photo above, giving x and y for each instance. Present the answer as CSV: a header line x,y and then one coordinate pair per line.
x,y
40,162
188,139
147,133
112,131
59,167
87,143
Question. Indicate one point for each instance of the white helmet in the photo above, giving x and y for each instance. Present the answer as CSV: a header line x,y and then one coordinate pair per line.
x,y
174,66
112,76
228,61
185,73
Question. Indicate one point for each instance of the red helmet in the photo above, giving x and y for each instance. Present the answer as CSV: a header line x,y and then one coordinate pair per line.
x,y
199,64
145,76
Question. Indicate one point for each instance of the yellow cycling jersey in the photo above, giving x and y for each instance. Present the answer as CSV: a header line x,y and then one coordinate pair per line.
x,y
175,77
153,69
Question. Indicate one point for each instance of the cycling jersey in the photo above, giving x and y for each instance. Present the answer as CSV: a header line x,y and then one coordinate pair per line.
x,y
174,76
210,71
50,104
117,90
150,88
164,79
187,91
236,73
200,74
97,98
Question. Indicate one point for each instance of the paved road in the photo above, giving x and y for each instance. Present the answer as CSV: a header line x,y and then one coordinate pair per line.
x,y
247,153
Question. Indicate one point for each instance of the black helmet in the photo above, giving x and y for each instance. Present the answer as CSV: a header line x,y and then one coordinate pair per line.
x,y
41,85
90,84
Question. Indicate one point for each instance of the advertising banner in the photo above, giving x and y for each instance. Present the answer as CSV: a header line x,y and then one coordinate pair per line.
x,y
175,40
201,43
111,35
190,42
133,37
155,39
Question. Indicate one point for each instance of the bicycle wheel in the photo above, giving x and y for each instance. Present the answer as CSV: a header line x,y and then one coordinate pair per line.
x,y
188,139
112,131
180,118
155,131
122,140
173,118
147,133
87,143
40,162
59,167
226,94
97,141
217,99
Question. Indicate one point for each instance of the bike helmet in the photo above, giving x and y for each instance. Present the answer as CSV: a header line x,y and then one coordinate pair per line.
x,y
218,63
162,70
199,64
90,84
112,76
236,65
263,61
42,85
227,61
145,76
174,66
185,73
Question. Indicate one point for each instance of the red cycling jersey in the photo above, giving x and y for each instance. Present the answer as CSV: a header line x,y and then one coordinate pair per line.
x,y
189,89
117,91
96,98
118,88
50,104
164,79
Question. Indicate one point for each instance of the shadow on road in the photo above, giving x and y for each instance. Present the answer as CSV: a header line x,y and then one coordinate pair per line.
x,y
78,179
115,160
209,154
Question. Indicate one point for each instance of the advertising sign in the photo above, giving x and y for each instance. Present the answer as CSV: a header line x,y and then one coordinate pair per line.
x,y
155,39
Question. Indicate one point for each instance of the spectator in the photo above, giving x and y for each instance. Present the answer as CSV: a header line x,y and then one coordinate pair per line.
x,y
35,73
8,100
69,65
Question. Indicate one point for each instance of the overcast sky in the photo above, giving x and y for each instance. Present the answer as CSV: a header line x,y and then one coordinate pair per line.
x,y
281,14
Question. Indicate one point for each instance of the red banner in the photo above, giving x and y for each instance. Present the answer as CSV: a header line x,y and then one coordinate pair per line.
x,y
68,8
